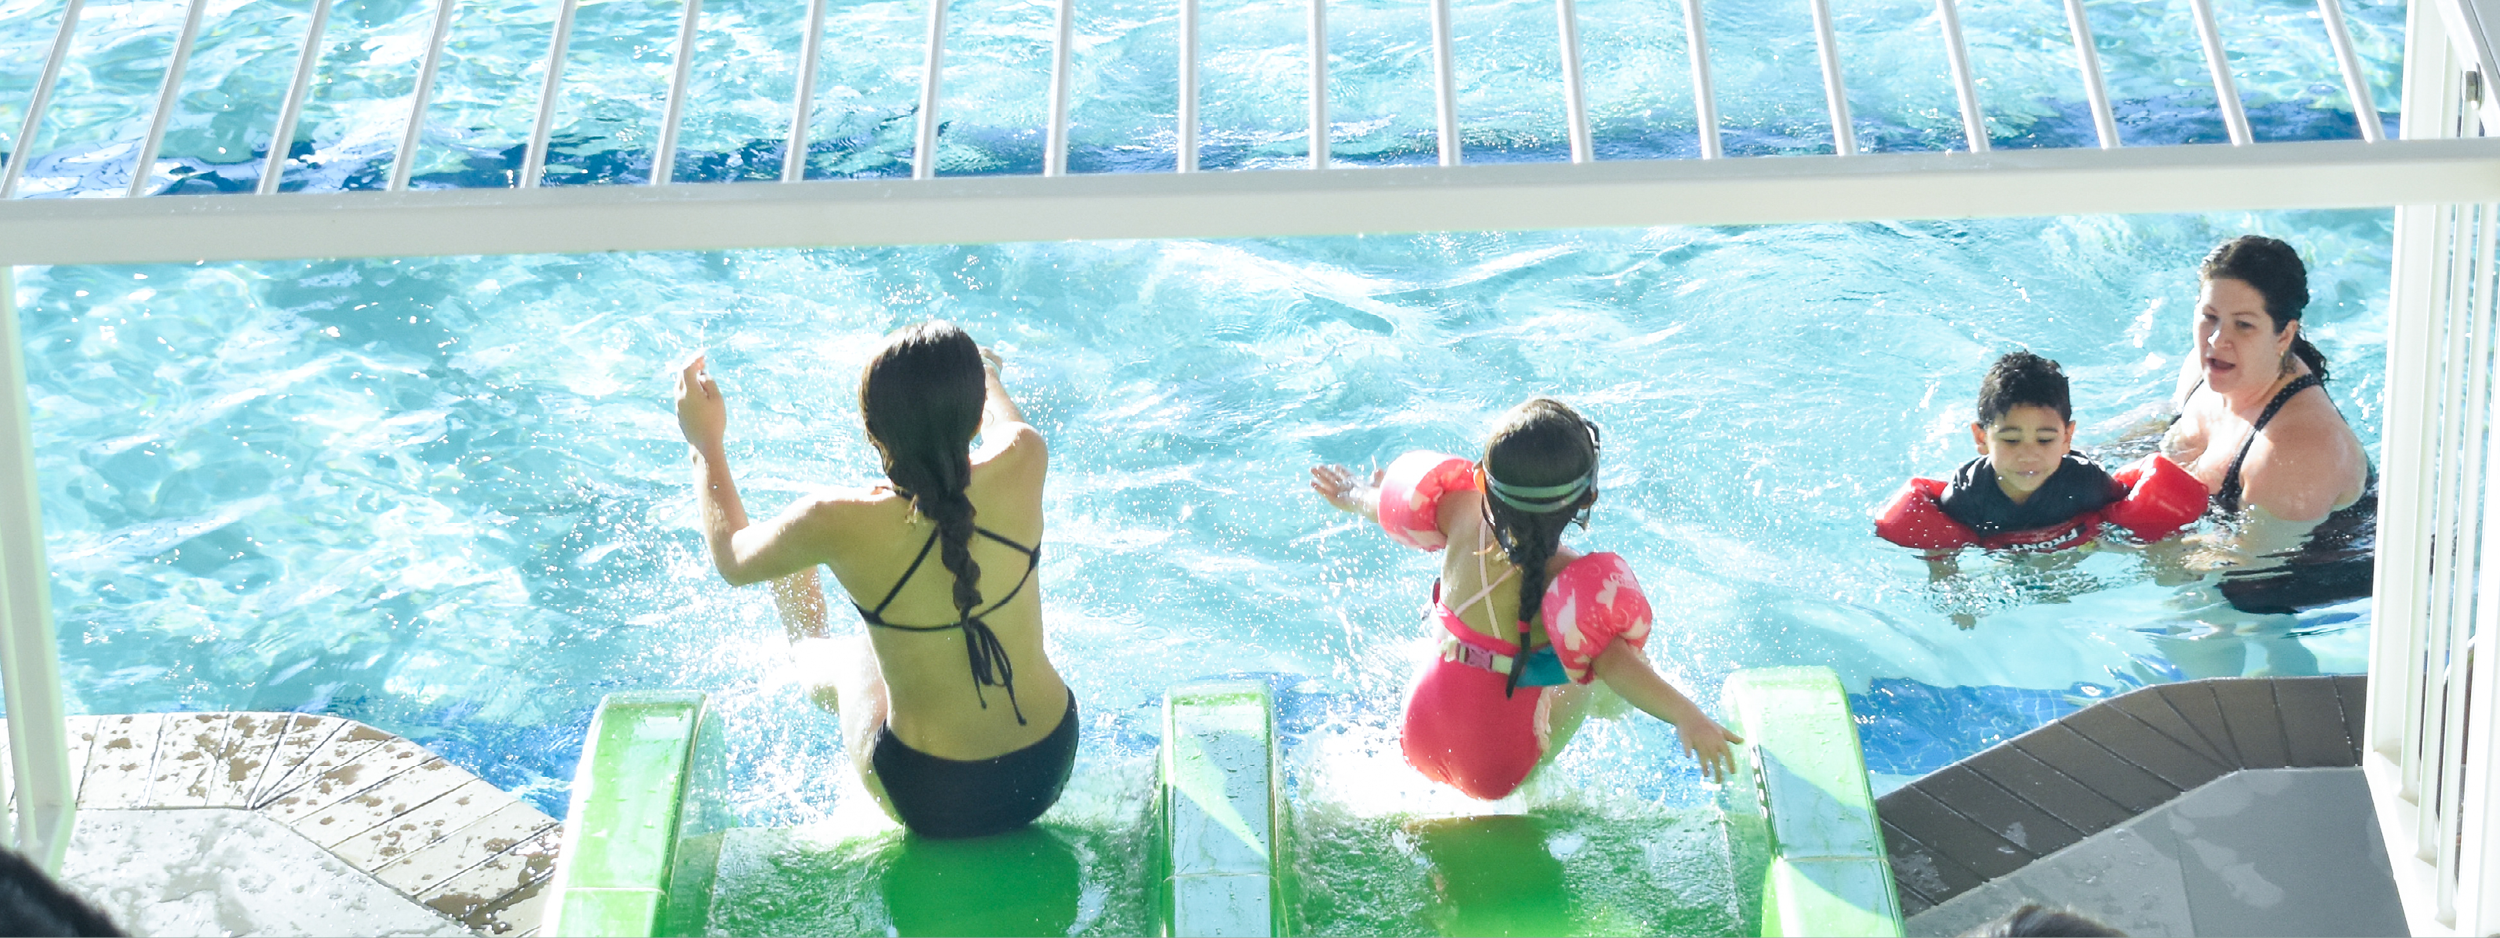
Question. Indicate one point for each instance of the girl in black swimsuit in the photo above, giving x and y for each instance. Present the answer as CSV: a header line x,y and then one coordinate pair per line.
x,y
944,762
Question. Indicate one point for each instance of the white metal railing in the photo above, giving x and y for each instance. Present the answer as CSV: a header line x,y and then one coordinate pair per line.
x,y
929,121
38,820
2430,738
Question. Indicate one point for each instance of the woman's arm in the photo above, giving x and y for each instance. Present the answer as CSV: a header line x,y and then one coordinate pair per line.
x,y
801,601
1627,672
1003,427
743,553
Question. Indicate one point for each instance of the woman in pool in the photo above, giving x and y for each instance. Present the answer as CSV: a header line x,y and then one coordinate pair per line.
x,y
1483,716
2256,426
945,759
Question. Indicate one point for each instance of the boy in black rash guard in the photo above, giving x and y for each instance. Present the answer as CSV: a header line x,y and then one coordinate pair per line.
x,y
2027,476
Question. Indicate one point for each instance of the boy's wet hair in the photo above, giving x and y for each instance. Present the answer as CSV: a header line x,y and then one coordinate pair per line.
x,y
2034,919
2022,379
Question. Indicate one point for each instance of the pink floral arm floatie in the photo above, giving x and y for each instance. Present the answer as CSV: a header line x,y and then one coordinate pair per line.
x,y
1591,603
1410,496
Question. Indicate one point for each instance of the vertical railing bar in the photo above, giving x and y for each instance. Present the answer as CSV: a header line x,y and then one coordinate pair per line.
x,y
2475,421
2400,587
2434,517
405,164
2226,92
2477,879
664,162
1835,94
1186,160
144,171
1444,84
1705,99
1062,67
2356,82
2095,87
2425,758
282,137
1319,84
30,656
924,139
1575,103
2395,590
2401,581
15,162
803,105
534,164
1957,55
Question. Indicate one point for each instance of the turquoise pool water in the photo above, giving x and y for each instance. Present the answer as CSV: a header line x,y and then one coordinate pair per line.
x,y
447,496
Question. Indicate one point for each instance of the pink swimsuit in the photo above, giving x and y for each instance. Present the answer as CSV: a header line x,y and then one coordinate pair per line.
x,y
1459,727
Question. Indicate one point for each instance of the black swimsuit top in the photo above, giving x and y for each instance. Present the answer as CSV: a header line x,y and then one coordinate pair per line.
x,y
990,665
2227,497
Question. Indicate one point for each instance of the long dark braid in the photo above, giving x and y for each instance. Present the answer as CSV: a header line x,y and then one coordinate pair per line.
x,y
1543,447
922,398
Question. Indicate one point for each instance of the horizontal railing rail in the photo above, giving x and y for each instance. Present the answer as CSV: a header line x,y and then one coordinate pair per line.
x,y
960,210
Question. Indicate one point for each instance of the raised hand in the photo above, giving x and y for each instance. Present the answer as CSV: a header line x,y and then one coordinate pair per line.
x,y
701,413
1342,488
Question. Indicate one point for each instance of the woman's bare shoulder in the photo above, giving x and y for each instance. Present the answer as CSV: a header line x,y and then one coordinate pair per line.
x,y
2307,463
1015,447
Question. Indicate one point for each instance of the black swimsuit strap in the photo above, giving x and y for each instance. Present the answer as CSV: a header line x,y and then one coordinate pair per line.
x,y
2229,495
877,615
986,655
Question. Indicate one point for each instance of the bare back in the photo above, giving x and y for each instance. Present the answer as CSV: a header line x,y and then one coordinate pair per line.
x,y
936,707
1463,571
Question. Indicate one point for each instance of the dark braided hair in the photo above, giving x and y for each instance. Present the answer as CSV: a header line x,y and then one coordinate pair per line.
x,y
2274,269
922,398
1540,445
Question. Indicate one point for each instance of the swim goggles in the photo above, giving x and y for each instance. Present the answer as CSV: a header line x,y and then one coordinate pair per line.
x,y
1545,499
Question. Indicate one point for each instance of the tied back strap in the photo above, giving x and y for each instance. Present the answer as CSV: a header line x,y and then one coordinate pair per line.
x,y
990,664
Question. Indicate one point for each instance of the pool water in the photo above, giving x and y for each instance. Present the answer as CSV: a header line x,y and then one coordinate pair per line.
x,y
446,496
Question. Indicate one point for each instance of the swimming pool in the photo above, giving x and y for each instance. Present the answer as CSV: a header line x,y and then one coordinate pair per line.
x,y
445,496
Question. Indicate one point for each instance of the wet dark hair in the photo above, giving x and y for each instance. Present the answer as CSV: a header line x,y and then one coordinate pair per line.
x,y
2274,269
2034,919
2022,379
1540,444
921,398
32,903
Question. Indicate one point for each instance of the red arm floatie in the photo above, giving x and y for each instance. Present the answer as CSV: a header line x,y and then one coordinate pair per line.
x,y
2161,498
1911,518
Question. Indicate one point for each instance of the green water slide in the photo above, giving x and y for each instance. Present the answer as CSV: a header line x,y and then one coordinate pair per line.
x,y
1209,846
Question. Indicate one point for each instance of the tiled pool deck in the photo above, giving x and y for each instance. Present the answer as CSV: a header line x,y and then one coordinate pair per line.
x,y
402,841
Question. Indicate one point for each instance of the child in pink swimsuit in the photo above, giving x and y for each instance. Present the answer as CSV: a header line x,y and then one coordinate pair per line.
x,y
1483,716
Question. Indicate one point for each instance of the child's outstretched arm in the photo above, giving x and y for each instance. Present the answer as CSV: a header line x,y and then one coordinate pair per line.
x,y
1627,671
1347,491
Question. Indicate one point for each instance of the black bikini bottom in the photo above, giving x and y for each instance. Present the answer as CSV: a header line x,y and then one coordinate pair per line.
x,y
938,797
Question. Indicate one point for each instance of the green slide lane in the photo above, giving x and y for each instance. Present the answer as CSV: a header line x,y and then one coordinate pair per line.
x,y
1800,810
1209,845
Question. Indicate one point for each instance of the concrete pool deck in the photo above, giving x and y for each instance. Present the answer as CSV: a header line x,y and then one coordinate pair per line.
x,y
288,823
